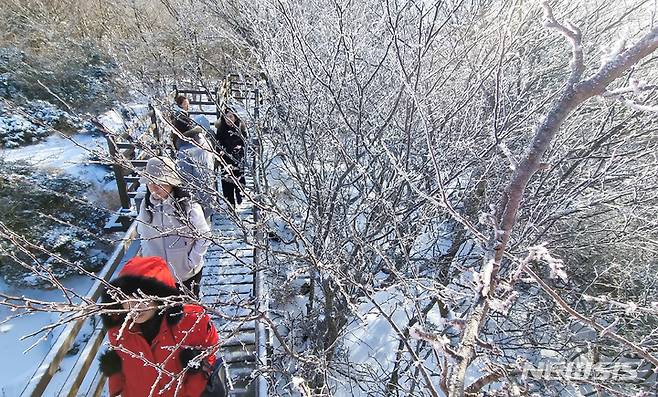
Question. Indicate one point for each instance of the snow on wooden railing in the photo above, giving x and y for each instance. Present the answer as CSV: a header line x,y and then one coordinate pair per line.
x,y
127,155
43,378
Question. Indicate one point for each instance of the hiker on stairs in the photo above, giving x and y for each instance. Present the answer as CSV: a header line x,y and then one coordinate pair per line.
x,y
231,136
159,346
171,224
194,156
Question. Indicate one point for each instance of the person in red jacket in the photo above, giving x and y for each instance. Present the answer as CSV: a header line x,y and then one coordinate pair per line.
x,y
157,347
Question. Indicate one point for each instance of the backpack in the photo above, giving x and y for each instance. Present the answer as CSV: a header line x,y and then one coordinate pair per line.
x,y
219,381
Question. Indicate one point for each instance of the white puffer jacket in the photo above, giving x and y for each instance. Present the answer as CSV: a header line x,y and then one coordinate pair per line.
x,y
177,241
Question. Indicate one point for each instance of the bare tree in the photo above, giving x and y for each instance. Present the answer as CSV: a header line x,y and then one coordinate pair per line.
x,y
439,171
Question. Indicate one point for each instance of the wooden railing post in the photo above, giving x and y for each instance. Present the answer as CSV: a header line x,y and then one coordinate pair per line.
x,y
119,171
156,127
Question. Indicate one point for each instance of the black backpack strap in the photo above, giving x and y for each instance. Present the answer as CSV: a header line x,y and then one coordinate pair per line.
x,y
219,381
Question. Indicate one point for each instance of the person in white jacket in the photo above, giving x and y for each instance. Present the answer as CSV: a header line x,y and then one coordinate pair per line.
x,y
171,225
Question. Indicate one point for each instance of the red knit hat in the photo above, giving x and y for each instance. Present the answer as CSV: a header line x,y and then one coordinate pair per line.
x,y
149,267
148,275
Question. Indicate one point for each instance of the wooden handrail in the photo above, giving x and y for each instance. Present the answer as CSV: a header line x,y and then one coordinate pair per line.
x,y
152,130
51,362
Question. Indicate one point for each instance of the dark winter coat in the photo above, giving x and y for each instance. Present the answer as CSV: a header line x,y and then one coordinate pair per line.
x,y
184,126
231,140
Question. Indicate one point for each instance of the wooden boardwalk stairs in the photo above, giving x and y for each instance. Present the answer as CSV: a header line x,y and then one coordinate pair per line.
x,y
232,284
229,288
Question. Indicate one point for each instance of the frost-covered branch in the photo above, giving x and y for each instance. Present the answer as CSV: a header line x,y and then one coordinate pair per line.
x,y
573,35
574,93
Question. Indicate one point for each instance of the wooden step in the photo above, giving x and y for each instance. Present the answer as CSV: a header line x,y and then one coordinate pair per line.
x,y
232,257
138,163
230,250
217,292
240,311
237,305
234,343
233,271
124,145
228,329
210,113
237,246
246,338
213,289
215,273
234,306
136,194
127,153
241,392
202,103
227,271
230,283
192,91
230,263
239,357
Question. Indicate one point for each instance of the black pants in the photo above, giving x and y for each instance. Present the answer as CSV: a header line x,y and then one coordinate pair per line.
x,y
231,191
194,283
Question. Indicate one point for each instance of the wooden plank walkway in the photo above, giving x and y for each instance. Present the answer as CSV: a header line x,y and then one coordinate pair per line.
x,y
228,283
227,287
231,287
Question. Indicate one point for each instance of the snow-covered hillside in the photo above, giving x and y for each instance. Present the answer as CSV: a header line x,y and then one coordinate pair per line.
x,y
30,142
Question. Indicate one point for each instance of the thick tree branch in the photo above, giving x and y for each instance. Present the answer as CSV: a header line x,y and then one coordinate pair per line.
x,y
574,94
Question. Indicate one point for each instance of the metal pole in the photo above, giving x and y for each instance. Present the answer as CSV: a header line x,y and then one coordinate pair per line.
x,y
262,296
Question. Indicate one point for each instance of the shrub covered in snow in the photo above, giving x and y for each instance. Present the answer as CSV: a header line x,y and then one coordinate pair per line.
x,y
80,75
44,209
16,130
23,125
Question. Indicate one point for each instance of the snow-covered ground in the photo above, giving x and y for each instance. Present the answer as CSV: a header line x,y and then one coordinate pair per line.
x,y
18,365
71,156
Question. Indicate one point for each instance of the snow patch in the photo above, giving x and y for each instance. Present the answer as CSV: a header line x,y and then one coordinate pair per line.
x,y
17,370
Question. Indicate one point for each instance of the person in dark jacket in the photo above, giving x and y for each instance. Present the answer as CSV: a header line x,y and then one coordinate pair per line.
x,y
185,127
156,348
194,158
231,136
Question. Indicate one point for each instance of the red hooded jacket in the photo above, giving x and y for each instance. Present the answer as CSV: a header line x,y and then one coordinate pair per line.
x,y
156,369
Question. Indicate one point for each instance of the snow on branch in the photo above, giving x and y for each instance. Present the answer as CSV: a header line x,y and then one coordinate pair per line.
x,y
628,95
617,61
556,266
439,342
513,163
573,35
